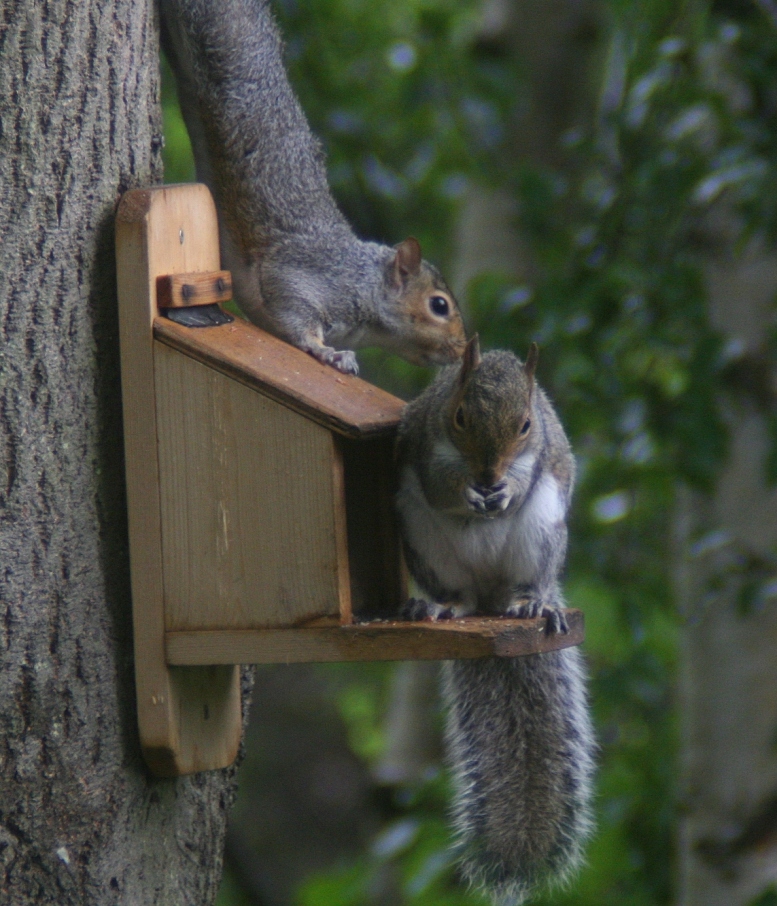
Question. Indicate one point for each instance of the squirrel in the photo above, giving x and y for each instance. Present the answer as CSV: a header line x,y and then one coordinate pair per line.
x,y
485,480
298,270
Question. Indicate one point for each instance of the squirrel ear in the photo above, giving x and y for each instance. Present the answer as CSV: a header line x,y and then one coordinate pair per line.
x,y
470,362
407,260
530,365
471,359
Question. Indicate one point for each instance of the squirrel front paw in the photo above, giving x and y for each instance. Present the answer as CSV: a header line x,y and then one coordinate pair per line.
x,y
488,501
529,607
342,359
418,609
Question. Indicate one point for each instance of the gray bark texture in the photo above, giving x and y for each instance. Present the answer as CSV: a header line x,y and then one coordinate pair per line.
x,y
81,820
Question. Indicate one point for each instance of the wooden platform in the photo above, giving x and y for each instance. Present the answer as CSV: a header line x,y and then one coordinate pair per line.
x,y
328,640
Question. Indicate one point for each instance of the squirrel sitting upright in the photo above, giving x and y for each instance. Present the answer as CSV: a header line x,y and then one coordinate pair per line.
x,y
485,479
298,270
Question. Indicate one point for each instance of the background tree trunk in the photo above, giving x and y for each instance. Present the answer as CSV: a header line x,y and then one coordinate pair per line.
x,y
81,820
728,679
306,801
555,42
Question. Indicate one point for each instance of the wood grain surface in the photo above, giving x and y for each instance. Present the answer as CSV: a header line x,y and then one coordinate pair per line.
x,y
470,637
184,290
189,718
253,504
341,402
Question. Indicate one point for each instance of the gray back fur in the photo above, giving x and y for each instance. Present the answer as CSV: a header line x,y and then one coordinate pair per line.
x,y
240,98
297,268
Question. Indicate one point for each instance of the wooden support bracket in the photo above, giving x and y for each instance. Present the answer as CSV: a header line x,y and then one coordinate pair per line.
x,y
179,290
260,497
189,717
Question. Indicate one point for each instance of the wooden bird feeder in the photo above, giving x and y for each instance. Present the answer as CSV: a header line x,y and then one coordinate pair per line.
x,y
259,488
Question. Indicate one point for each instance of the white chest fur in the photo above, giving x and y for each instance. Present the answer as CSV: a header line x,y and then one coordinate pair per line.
x,y
481,559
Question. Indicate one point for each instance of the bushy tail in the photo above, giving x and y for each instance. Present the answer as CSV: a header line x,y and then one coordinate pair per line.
x,y
250,137
522,750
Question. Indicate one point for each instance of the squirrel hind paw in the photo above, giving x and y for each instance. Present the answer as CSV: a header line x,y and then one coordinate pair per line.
x,y
418,609
529,608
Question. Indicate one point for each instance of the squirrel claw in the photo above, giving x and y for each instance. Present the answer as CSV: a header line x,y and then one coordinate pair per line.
x,y
556,621
489,501
343,360
531,608
417,609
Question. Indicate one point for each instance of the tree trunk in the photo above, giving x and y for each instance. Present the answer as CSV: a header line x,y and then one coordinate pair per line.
x,y
554,41
728,687
81,819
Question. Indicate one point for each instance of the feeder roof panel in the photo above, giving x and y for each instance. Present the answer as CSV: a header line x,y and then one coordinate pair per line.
x,y
343,403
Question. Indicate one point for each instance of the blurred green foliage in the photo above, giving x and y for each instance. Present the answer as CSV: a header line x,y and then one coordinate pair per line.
x,y
177,151
411,113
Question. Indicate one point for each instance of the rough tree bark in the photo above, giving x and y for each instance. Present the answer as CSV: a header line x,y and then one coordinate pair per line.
x,y
81,820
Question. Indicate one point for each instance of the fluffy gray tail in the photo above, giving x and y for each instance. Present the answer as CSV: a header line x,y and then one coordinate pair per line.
x,y
522,750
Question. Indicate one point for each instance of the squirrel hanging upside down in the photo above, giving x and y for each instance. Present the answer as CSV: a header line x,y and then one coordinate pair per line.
x,y
298,270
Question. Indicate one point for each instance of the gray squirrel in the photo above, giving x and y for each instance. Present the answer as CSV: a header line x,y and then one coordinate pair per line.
x,y
485,480
298,269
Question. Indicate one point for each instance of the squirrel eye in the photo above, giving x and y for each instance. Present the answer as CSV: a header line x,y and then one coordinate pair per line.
x,y
458,418
439,306
526,426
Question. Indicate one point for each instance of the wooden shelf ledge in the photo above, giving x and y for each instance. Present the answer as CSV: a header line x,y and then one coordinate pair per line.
x,y
328,640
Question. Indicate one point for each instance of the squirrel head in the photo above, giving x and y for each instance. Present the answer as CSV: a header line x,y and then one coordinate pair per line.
x,y
431,329
489,417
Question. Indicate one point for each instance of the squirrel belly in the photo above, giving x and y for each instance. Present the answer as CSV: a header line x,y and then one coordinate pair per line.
x,y
298,269
485,480
484,560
